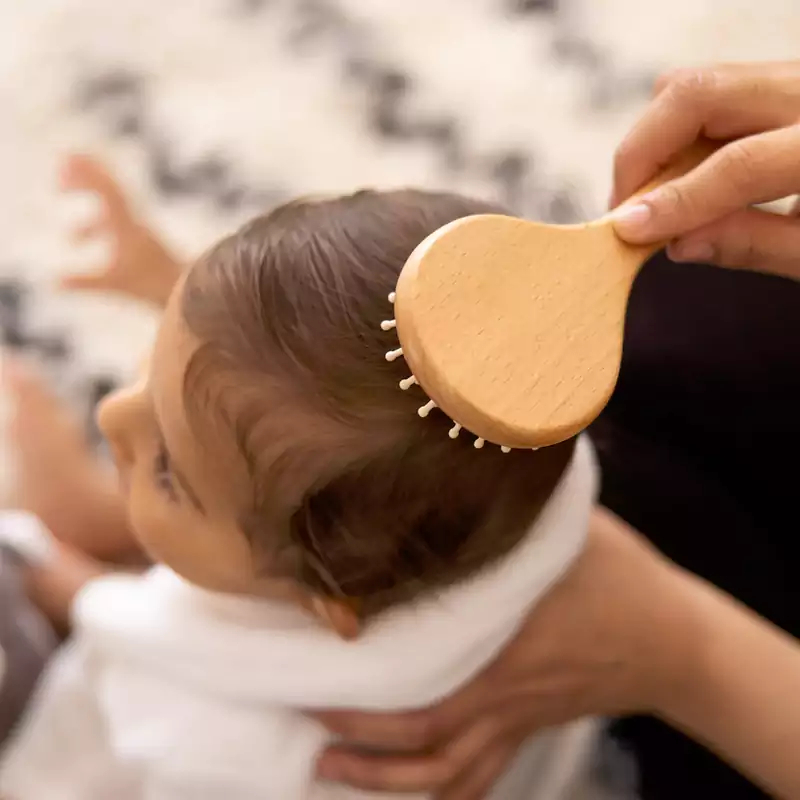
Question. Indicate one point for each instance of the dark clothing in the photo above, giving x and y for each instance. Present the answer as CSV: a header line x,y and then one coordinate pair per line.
x,y
699,452
26,643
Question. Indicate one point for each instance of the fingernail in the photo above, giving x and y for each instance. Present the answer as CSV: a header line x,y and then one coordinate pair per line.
x,y
682,251
631,220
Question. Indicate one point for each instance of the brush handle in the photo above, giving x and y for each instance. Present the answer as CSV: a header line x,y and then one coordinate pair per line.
x,y
690,158
514,328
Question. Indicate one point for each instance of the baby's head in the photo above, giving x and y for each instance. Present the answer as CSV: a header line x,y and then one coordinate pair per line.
x,y
270,450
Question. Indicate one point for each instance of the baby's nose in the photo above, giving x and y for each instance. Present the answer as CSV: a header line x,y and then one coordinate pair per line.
x,y
116,419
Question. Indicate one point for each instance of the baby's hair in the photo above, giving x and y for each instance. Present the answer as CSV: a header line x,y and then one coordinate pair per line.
x,y
352,494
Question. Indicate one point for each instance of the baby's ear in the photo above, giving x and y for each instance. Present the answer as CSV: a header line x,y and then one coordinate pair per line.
x,y
340,615
327,542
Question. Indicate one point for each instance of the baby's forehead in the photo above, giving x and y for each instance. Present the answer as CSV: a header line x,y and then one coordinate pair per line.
x,y
187,411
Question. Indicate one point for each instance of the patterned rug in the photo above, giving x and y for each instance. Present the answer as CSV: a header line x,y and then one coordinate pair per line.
x,y
211,110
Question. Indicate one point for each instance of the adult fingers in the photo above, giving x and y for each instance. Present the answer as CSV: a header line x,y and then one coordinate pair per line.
x,y
752,170
478,779
722,102
397,773
752,239
413,731
406,732
426,772
784,71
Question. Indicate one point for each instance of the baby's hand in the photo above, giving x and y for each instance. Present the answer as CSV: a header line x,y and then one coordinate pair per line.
x,y
139,264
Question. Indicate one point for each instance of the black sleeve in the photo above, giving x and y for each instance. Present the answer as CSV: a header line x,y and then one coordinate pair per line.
x,y
699,449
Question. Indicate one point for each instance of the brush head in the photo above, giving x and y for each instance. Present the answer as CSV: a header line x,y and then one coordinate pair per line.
x,y
513,328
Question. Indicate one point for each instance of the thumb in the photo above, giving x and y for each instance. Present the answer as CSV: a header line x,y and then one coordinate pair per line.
x,y
754,240
755,169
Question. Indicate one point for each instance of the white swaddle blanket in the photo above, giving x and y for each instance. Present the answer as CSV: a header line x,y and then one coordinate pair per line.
x,y
169,692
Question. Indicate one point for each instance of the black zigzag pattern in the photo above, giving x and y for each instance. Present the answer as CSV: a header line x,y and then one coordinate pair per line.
x,y
119,97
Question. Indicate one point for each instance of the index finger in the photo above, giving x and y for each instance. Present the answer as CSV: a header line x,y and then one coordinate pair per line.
x,y
749,171
405,732
722,102
416,730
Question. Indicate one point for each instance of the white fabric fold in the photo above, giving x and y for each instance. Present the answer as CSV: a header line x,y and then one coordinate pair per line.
x,y
199,690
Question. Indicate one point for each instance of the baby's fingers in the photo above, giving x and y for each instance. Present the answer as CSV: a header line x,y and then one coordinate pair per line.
x,y
87,282
87,232
82,173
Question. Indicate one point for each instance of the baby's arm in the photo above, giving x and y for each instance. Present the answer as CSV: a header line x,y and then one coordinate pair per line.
x,y
57,477
140,264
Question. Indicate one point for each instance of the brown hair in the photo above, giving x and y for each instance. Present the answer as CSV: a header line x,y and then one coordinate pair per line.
x,y
353,495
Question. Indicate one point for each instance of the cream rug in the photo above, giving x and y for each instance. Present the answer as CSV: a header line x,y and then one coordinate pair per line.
x,y
213,109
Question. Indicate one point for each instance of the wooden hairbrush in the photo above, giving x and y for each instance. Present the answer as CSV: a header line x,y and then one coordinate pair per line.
x,y
513,328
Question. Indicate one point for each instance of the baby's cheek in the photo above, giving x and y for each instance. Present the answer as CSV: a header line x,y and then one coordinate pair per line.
x,y
150,525
143,367
194,548
154,519
218,558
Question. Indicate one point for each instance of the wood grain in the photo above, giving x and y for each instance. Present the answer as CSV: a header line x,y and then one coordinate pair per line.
x,y
515,328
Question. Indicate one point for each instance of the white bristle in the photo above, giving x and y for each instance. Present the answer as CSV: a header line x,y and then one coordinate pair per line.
x,y
426,409
392,297
388,324
393,355
505,449
407,383
479,443
454,431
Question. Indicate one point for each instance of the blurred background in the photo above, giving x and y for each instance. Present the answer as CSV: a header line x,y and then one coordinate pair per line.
x,y
212,110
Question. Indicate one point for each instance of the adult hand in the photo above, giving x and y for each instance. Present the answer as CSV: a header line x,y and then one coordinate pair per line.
x,y
610,638
707,214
